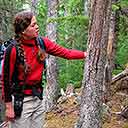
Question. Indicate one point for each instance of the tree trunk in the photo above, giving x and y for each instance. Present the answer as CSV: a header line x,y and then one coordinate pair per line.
x,y
1,31
86,7
111,50
6,18
91,103
34,4
52,86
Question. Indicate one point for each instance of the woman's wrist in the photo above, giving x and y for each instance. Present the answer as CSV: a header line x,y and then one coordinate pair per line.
x,y
85,54
8,105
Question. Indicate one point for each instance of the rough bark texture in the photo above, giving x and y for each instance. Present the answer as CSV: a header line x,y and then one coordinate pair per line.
x,y
111,50
86,7
52,87
7,11
34,4
91,103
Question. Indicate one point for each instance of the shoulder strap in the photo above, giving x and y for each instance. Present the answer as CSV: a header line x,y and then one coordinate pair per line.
x,y
6,79
14,77
41,42
8,52
14,88
3,47
7,60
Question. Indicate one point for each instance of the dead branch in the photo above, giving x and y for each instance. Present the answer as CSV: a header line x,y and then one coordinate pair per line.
x,y
120,76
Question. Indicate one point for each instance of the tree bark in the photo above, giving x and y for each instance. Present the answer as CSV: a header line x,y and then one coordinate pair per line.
x,y
52,85
34,4
91,103
6,18
86,7
111,51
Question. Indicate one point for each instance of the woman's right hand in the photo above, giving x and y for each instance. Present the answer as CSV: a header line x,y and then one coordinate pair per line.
x,y
9,112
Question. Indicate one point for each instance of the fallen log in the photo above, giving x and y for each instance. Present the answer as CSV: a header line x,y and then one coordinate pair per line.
x,y
120,76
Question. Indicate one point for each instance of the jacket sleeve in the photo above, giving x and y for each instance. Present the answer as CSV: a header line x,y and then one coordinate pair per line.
x,y
7,71
57,50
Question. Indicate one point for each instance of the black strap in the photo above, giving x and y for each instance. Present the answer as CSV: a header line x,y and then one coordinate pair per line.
x,y
42,45
3,47
11,84
7,84
40,42
19,61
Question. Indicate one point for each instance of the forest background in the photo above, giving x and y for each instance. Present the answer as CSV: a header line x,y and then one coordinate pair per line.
x,y
72,32
71,21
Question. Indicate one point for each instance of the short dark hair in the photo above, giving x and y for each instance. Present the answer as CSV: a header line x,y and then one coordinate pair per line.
x,y
22,20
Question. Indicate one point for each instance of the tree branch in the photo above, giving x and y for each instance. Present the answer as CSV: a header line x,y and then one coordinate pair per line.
x,y
120,76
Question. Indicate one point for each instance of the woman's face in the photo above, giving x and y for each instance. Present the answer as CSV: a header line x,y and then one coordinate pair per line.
x,y
32,30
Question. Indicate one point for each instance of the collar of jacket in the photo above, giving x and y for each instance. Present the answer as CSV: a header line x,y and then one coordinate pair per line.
x,y
30,42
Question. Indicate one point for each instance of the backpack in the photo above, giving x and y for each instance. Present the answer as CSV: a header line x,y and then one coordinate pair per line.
x,y
19,54
3,47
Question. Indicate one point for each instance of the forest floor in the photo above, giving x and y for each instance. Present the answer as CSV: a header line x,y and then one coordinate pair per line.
x,y
66,114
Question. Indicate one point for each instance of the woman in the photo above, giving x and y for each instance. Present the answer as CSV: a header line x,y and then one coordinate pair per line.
x,y
30,75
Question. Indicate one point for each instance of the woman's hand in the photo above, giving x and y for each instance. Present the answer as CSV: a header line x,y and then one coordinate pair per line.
x,y
9,113
85,54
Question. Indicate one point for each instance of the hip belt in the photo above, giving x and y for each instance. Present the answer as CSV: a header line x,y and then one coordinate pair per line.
x,y
35,90
30,90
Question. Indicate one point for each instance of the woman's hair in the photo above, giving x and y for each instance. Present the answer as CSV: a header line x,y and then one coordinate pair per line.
x,y
22,20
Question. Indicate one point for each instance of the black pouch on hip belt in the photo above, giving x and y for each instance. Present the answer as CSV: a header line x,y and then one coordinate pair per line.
x,y
18,105
36,92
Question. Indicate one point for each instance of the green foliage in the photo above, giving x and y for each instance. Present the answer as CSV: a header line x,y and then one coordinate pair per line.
x,y
117,71
80,18
75,7
19,4
70,72
115,7
122,44
123,3
120,4
71,33
8,10
122,47
71,7
42,16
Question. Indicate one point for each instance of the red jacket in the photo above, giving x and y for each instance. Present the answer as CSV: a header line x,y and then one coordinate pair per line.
x,y
36,68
